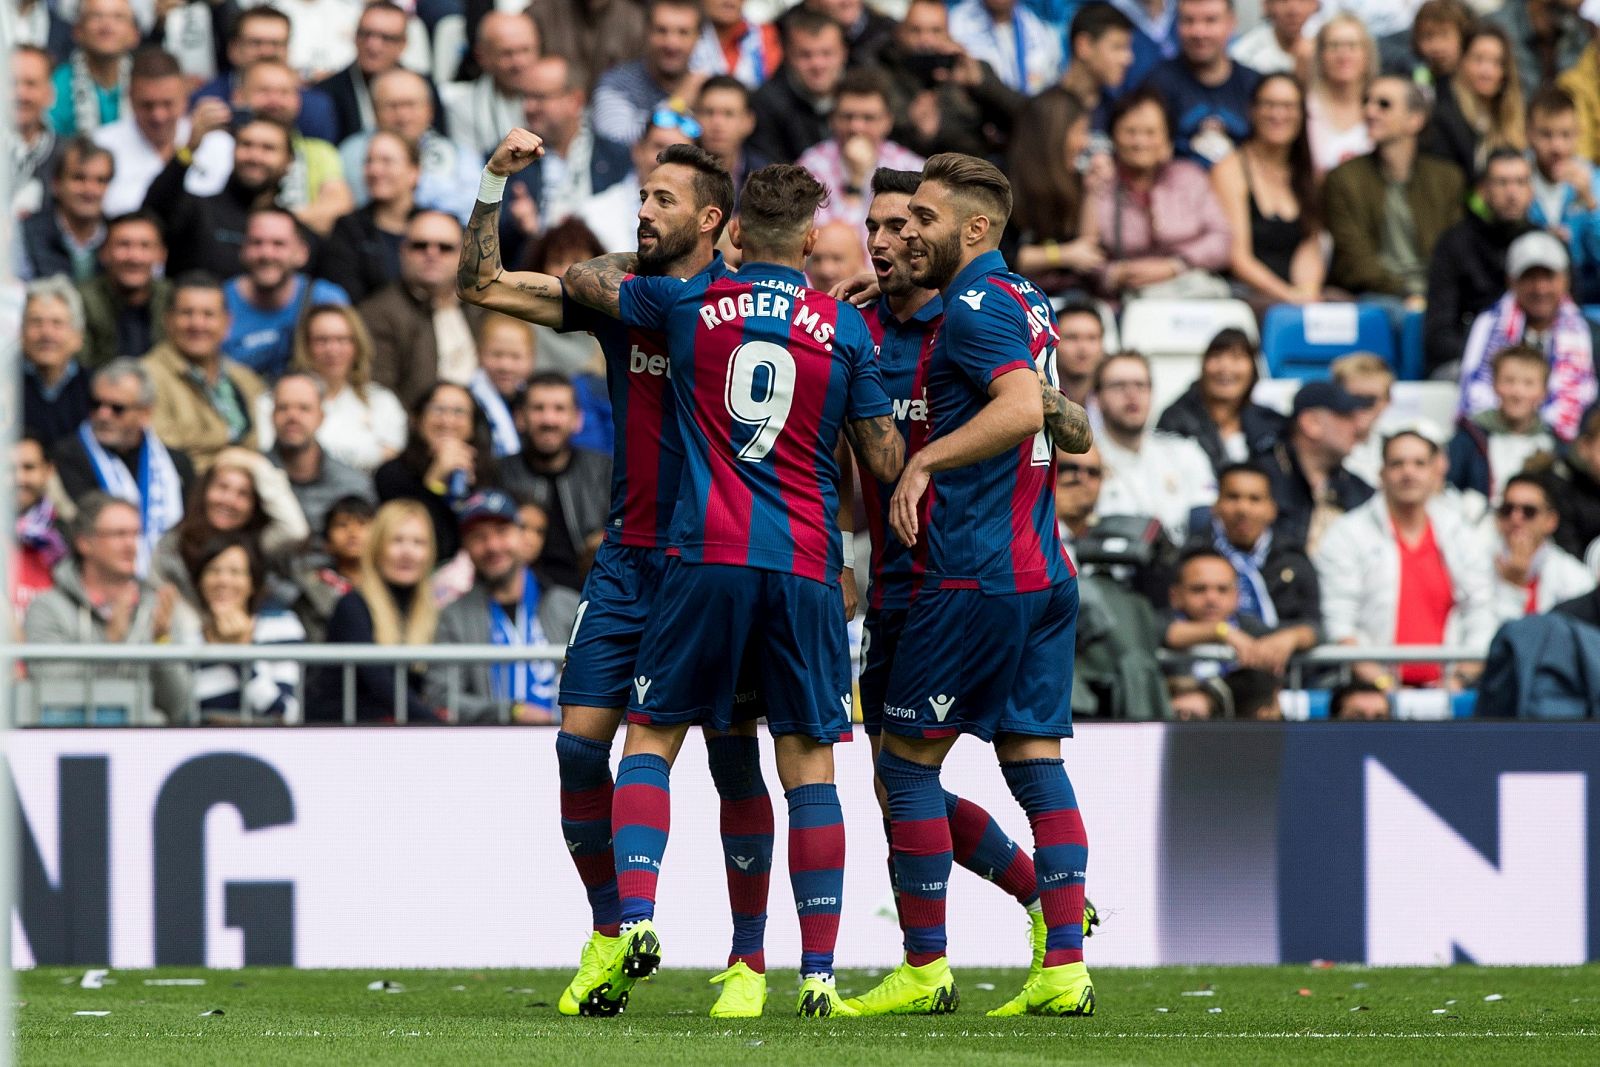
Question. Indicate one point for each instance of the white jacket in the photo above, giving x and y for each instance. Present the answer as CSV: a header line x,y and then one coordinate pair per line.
x,y
1561,577
1358,568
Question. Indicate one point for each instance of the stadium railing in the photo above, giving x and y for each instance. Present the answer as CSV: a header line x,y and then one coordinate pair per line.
x,y
457,657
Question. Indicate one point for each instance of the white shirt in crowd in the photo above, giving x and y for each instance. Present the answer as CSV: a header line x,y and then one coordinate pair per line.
x,y
353,431
1167,478
138,163
613,215
1560,576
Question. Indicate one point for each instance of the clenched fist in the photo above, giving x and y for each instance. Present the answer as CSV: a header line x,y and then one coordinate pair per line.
x,y
515,152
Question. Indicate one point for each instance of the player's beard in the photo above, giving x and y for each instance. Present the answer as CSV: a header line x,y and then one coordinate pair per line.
x,y
671,246
943,261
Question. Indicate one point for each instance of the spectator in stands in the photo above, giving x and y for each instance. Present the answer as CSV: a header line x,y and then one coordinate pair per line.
x,y
269,298
1494,444
1155,36
1403,570
1358,702
1387,209
1546,37
571,484
380,41
836,256
115,451
39,27
1054,250
866,32
447,455
364,424
1480,108
445,181
33,158
1148,472
1194,700
505,363
480,112
726,111
153,127
943,100
1538,311
65,238
1431,51
1206,610
1217,412
1080,350
39,542
390,605
613,214
258,33
1078,482
1279,44
1566,189
1468,271
507,605
732,47
595,34
125,305
1015,42
1582,83
317,479
1277,583
1368,378
1309,480
242,493
1162,230
55,387
792,107
230,579
1100,47
1207,94
1343,65
207,232
204,401
858,145
576,163
343,538
1254,695
1268,192
420,329
100,599
1533,574
626,96
1577,477
91,84
362,255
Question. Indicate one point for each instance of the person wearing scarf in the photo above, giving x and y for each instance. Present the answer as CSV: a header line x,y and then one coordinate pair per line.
x,y
39,542
92,84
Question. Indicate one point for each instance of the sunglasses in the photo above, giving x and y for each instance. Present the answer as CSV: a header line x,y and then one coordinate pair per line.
x,y
442,247
114,408
1080,470
1526,511
1382,103
668,119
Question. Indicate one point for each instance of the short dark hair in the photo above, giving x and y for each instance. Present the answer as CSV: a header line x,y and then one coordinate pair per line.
x,y
723,83
905,182
805,22
1074,308
1197,552
140,215
547,379
976,179
1254,470
1343,693
273,209
215,546
1551,100
713,185
265,12
196,279
864,81
1519,354
650,8
1096,20
1135,100
348,507
777,206
1535,479
1498,155
384,6
79,150
282,127
90,508
151,62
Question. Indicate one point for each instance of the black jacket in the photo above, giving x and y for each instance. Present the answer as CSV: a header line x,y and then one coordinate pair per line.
x,y
351,624
585,492
51,420
1578,501
1466,276
786,122
203,232
1293,494
76,472
395,480
357,257
976,121
45,249
1188,417
1291,581
1448,135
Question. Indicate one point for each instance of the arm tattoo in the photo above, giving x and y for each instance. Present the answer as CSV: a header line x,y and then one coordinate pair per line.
x,y
879,445
480,250
1067,422
598,282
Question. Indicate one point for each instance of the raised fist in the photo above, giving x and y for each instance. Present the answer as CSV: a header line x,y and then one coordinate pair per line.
x,y
515,152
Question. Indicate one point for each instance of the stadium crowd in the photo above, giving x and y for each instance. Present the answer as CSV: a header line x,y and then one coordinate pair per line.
x,y
257,412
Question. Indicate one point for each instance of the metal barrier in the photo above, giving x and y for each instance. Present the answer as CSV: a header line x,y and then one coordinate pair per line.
x,y
457,657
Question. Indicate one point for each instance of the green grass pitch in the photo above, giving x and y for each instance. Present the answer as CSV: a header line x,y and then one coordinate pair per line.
x,y
1342,1015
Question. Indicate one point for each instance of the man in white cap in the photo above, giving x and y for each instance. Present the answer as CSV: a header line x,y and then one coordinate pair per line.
x,y
1538,311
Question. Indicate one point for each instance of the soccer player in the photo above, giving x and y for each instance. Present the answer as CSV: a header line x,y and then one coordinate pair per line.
x,y
766,373
987,644
680,219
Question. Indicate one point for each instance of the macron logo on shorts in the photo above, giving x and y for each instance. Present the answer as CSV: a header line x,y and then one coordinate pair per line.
x,y
844,701
941,706
641,686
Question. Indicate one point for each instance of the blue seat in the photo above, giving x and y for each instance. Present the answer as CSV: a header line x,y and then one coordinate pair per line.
x,y
1300,342
1413,353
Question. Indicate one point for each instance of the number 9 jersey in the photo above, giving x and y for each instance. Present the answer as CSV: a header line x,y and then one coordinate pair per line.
x,y
766,372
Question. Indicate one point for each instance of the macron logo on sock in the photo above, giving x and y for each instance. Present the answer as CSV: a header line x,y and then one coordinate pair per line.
x,y
641,686
941,706
744,862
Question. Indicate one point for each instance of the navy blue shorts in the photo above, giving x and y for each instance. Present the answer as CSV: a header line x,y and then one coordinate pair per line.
x,y
711,620
880,637
967,663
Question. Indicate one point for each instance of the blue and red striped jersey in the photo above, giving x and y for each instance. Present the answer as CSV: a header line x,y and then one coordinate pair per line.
x,y
994,521
904,349
765,372
646,449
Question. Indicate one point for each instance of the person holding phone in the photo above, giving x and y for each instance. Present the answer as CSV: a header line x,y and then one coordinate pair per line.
x,y
943,99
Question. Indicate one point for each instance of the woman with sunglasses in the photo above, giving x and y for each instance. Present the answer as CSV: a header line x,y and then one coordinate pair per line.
x,y
1217,411
363,253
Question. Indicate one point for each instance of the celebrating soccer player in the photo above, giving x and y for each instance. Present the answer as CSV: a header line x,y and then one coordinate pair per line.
x,y
766,373
687,199
987,643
